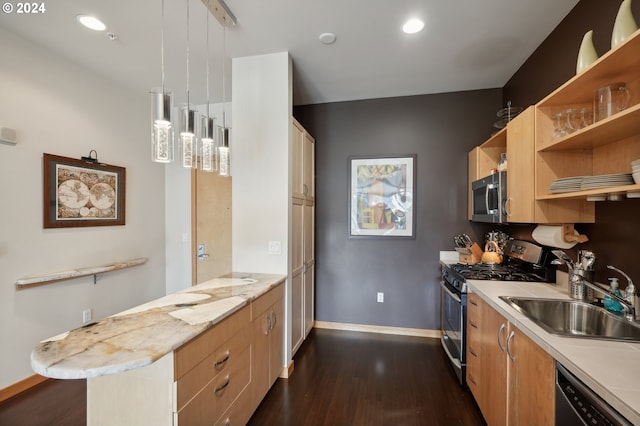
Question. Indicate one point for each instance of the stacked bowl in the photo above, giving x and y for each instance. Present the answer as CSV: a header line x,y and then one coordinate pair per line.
x,y
635,170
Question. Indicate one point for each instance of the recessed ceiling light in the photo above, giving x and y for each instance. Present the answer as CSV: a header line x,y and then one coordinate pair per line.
x,y
412,26
91,22
327,38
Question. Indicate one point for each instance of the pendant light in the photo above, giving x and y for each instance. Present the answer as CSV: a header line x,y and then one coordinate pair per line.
x,y
161,104
188,136
224,149
208,149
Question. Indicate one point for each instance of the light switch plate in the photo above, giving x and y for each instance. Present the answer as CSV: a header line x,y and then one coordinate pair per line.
x,y
275,247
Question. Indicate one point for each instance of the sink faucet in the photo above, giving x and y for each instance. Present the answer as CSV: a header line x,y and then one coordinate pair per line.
x,y
628,307
630,290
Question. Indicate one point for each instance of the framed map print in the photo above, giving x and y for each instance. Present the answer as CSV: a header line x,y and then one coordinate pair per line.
x,y
382,196
80,193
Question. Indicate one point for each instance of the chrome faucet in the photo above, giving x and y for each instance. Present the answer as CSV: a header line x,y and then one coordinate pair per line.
x,y
628,307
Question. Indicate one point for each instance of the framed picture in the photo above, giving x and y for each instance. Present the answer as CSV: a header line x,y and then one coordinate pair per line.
x,y
382,196
80,193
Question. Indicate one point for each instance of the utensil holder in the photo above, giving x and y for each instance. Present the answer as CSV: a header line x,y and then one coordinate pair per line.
x,y
577,290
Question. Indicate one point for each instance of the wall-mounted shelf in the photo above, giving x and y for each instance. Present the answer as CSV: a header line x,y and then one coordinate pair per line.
x,y
80,272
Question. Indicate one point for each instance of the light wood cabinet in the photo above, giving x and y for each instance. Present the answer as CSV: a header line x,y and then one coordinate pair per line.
x,y
605,147
268,348
219,377
511,378
518,140
303,230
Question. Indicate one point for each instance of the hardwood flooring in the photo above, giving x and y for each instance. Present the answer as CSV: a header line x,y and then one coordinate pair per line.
x,y
353,378
340,378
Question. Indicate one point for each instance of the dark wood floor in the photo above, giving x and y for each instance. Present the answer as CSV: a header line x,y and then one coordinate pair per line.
x,y
351,378
340,378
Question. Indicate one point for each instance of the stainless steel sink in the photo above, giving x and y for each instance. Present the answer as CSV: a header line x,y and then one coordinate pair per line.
x,y
572,318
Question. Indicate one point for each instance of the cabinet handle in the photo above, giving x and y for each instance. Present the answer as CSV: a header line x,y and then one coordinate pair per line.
x,y
223,386
509,339
474,325
228,421
506,206
220,364
473,302
472,379
268,327
274,319
502,327
305,189
472,352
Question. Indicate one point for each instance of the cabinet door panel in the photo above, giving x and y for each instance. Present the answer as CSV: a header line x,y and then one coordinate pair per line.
x,y
493,383
531,383
309,298
276,349
297,312
520,160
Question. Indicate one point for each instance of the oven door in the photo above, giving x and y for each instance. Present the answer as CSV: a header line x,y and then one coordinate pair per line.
x,y
453,318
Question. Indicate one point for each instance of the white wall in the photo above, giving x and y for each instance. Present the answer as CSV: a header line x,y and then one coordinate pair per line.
x,y
261,197
262,108
60,108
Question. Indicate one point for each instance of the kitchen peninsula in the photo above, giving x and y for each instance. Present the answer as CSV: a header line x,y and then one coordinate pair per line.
x,y
211,352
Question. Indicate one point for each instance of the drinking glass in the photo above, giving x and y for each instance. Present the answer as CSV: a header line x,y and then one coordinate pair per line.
x,y
559,124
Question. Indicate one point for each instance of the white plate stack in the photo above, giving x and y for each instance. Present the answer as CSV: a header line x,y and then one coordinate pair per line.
x,y
568,184
605,181
635,169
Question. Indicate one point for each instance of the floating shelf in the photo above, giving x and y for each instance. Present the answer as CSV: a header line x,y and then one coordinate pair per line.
x,y
80,272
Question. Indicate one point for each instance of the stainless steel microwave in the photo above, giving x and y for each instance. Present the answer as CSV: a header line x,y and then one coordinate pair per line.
x,y
489,198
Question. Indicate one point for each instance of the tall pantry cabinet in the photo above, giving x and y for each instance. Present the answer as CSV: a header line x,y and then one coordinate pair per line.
x,y
302,233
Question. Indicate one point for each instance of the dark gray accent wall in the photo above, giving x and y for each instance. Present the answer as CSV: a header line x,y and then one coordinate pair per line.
x,y
440,129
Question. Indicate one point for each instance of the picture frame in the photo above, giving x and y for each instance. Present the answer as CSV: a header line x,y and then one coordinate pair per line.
x,y
80,193
382,196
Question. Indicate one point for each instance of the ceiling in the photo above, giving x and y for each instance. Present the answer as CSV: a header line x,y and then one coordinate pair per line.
x,y
465,45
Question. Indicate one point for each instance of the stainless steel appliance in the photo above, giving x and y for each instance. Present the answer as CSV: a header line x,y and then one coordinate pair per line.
x,y
524,261
489,198
577,405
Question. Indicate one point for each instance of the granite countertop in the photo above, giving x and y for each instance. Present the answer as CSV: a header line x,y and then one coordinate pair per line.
x,y
609,368
141,335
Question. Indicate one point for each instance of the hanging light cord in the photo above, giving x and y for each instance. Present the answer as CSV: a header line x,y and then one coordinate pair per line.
x,y
224,68
208,116
162,46
188,55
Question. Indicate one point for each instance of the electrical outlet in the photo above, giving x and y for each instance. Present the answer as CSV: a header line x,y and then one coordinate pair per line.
x,y
380,297
275,247
87,315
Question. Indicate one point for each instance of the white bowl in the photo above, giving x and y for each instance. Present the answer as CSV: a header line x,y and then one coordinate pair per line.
x,y
636,177
635,162
635,169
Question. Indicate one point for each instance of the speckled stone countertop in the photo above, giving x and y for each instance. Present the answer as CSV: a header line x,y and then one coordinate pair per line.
x,y
141,335
609,368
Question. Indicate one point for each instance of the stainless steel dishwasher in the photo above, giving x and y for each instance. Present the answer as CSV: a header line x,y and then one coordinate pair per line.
x,y
578,405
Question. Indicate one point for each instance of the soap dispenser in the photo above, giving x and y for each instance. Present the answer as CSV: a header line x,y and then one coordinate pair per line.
x,y
611,304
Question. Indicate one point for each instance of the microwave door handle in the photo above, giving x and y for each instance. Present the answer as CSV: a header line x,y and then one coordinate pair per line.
x,y
486,197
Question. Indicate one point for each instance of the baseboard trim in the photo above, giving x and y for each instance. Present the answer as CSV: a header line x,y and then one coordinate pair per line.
x,y
287,371
21,386
402,331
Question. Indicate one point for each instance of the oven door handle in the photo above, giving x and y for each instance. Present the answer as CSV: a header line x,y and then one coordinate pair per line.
x,y
450,293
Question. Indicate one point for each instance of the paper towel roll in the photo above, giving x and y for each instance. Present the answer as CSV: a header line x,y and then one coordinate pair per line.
x,y
549,235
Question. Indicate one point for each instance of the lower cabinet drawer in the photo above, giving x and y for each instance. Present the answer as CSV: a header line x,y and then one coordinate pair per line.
x,y
216,363
216,397
240,411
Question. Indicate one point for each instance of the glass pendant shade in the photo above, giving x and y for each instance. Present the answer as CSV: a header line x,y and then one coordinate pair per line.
x,y
161,129
224,152
208,157
188,137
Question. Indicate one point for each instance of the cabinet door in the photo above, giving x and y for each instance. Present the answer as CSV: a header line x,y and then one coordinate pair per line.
x,y
276,341
474,345
493,381
297,163
309,298
308,172
520,160
531,374
297,311
260,359
298,242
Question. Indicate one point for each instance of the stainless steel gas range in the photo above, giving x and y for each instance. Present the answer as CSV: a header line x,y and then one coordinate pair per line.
x,y
523,261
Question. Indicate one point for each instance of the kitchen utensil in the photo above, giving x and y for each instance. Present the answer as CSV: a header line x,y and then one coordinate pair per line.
x,y
492,253
610,99
563,257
